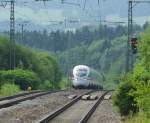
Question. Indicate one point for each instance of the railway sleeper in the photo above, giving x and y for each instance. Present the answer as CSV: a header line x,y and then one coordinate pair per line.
x,y
72,96
89,97
107,97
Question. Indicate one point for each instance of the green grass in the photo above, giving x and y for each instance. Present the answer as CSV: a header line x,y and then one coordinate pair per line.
x,y
9,89
140,118
65,83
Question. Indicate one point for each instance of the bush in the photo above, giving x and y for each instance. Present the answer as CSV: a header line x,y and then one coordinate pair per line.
x,y
46,85
140,118
9,89
133,93
123,100
43,64
48,68
23,78
65,83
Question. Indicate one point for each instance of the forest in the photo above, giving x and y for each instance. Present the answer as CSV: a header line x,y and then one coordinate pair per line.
x,y
105,45
104,49
45,60
36,69
133,94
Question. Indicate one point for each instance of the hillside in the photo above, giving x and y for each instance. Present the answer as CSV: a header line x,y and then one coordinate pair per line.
x,y
34,68
106,56
102,48
133,93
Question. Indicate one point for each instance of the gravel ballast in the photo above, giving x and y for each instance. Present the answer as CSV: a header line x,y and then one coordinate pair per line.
x,y
105,114
32,110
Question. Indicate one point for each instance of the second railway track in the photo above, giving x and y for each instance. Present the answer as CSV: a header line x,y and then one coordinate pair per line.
x,y
23,97
18,95
76,111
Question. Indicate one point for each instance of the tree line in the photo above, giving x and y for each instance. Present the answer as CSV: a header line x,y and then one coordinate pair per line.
x,y
58,41
133,93
34,68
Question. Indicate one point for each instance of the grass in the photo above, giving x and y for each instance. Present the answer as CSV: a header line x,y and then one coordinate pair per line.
x,y
65,83
140,118
9,89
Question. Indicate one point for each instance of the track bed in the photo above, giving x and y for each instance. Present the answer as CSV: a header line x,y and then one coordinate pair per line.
x,y
105,113
31,110
75,113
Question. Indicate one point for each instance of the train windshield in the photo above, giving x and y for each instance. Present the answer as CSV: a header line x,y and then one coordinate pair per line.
x,y
81,73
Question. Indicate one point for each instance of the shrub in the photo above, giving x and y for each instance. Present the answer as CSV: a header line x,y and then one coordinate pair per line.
x,y
140,118
48,67
9,89
43,64
23,78
46,85
123,100
133,93
65,83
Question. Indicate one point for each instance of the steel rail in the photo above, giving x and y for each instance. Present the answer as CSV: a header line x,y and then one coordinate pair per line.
x,y
19,95
11,103
91,111
62,109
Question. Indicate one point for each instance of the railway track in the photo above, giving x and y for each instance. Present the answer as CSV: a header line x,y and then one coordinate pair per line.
x,y
73,111
19,95
12,100
91,111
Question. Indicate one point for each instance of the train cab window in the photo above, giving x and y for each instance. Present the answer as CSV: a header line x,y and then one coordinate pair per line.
x,y
81,73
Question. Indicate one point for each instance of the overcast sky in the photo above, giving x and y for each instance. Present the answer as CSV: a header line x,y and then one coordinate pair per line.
x,y
39,14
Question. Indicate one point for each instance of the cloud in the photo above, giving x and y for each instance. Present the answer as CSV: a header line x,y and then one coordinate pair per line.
x,y
70,29
38,17
137,19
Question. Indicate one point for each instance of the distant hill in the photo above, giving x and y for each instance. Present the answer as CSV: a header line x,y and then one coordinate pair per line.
x,y
102,48
112,10
106,56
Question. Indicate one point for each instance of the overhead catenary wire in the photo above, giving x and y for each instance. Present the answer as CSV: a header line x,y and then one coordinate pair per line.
x,y
12,47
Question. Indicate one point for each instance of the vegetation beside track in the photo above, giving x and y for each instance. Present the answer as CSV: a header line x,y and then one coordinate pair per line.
x,y
133,94
101,47
9,89
36,69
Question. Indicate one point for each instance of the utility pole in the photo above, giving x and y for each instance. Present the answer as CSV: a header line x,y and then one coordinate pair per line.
x,y
12,35
12,60
62,2
22,31
130,31
130,57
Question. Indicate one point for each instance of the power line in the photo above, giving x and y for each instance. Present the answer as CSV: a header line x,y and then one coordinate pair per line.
x,y
22,25
62,2
129,55
12,47
12,60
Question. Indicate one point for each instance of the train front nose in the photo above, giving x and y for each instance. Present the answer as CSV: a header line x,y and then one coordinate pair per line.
x,y
80,82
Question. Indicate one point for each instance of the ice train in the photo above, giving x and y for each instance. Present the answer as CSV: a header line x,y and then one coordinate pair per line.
x,y
86,77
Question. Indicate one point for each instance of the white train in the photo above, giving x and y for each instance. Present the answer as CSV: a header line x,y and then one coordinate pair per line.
x,y
85,77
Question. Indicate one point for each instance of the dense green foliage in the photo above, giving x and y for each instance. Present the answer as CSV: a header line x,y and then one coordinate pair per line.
x,y
102,48
33,67
123,100
65,83
23,78
9,89
140,118
138,93
106,56
58,41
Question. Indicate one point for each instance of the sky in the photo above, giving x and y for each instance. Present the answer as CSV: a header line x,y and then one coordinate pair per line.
x,y
39,15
